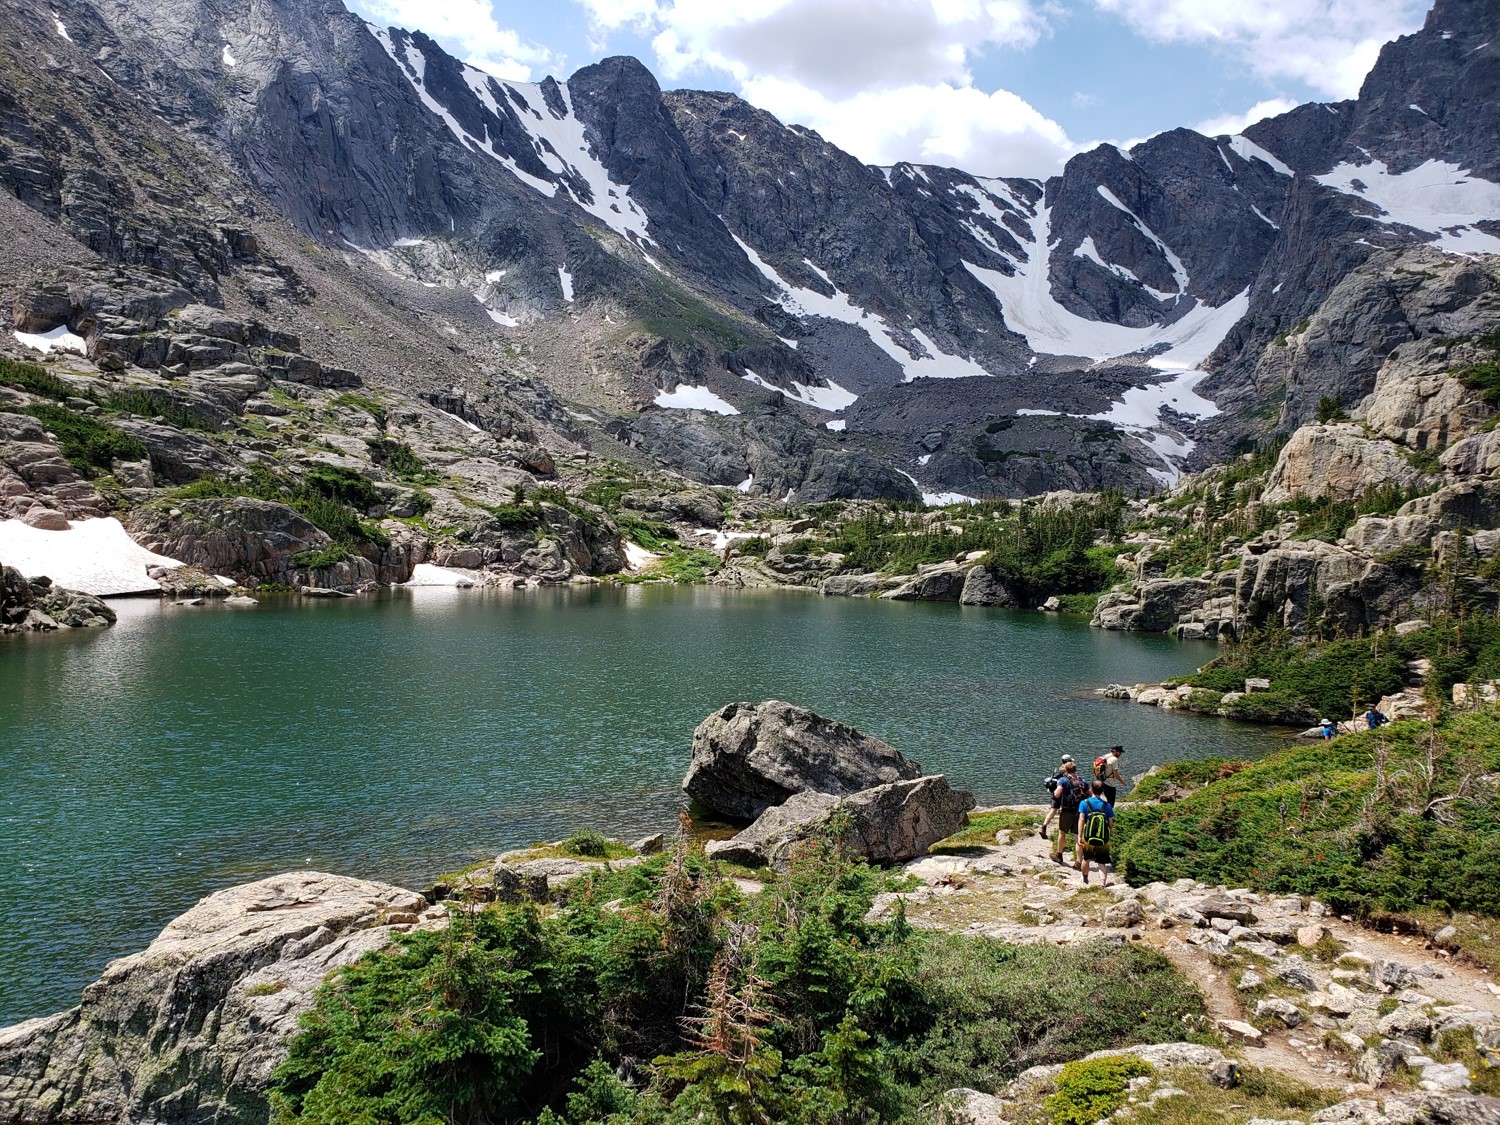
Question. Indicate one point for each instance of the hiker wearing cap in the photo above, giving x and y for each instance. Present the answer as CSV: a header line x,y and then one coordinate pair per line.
x,y
1052,787
1330,728
1107,773
1095,819
1070,791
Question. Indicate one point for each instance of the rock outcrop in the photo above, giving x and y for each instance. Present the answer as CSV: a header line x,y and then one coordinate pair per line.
x,y
190,1028
885,824
748,757
1337,461
35,605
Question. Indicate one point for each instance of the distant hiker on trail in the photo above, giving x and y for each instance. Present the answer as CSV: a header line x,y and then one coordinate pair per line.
x,y
1330,728
1095,817
1051,785
1070,791
1374,719
1107,772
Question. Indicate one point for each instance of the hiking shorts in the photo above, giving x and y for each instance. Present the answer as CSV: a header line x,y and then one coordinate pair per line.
x,y
1096,853
1067,821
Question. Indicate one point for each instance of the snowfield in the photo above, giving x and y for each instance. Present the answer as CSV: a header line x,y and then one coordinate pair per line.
x,y
95,556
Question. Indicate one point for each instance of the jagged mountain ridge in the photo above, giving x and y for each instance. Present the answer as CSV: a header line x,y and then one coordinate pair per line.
x,y
635,249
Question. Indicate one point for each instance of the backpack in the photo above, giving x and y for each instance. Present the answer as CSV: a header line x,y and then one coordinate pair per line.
x,y
1101,766
1070,793
1095,828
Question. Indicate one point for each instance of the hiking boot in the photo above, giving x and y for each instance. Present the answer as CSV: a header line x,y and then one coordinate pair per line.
x,y
1057,857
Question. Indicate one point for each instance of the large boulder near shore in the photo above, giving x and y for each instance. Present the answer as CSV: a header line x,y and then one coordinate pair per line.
x,y
748,757
885,824
190,1028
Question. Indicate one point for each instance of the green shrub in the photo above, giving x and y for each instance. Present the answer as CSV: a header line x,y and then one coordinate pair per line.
x,y
757,546
645,533
1091,1089
87,444
401,461
591,844
362,402
36,380
1482,378
1330,409
322,558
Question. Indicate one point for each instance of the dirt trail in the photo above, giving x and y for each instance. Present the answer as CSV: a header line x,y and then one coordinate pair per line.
x,y
1013,892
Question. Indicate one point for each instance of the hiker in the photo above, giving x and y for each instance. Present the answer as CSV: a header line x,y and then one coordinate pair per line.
x,y
1374,718
1107,772
1070,791
1051,786
1329,729
1095,816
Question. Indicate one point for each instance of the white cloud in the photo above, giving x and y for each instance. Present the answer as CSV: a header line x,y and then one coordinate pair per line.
x,y
1232,123
886,80
466,28
990,134
837,47
1328,44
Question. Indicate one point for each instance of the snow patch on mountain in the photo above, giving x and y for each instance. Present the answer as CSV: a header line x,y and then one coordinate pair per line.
x,y
1179,271
1031,311
832,397
1139,413
1087,250
686,397
57,339
559,142
931,362
1248,150
1438,198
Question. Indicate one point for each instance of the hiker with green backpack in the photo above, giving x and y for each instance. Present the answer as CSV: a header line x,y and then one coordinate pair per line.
x,y
1095,817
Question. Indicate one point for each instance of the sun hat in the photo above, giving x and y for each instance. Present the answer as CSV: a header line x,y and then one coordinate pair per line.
x,y
1067,757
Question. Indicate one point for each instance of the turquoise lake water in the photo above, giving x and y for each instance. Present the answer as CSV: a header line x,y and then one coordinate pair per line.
x,y
399,736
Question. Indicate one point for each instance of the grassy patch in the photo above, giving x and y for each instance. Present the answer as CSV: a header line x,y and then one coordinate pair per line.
x,y
982,828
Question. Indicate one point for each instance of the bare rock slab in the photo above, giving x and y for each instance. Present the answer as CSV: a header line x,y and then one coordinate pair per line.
x,y
749,757
190,1028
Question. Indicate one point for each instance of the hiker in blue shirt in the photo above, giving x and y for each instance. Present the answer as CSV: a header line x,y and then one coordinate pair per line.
x,y
1375,718
1095,817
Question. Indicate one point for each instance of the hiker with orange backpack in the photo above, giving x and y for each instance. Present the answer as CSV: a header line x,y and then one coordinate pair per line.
x,y
1107,772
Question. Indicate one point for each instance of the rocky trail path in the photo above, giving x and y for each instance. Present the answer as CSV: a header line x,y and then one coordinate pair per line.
x,y
1295,988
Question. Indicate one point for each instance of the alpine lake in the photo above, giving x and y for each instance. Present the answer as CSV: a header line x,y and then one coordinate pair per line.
x,y
405,734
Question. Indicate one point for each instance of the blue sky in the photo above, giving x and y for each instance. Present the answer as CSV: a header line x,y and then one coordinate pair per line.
x,y
999,87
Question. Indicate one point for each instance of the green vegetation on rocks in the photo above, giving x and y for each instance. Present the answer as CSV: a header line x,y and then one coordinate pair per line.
x,y
332,499
89,445
1376,821
34,379
1341,677
783,1006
